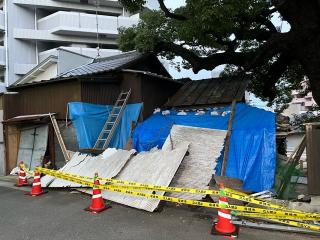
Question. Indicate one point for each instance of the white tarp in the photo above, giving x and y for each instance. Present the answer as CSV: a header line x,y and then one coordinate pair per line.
x,y
107,165
155,167
197,168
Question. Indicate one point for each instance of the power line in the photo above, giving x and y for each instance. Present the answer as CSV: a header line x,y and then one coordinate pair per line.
x,y
97,24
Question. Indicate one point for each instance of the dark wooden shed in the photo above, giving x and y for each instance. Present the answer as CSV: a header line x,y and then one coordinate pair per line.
x,y
99,82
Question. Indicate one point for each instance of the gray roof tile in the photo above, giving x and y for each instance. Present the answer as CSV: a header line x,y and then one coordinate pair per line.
x,y
103,65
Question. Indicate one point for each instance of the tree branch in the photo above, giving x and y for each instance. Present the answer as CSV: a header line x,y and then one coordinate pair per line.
x,y
277,43
266,22
207,63
275,71
170,14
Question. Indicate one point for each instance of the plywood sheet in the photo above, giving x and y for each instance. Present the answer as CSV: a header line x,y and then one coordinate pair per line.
x,y
198,166
106,165
155,167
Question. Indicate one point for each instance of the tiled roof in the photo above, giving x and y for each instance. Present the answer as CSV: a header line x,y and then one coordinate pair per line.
x,y
103,65
209,92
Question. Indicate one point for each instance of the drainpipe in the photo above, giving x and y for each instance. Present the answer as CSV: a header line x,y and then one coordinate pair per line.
x,y
36,28
5,10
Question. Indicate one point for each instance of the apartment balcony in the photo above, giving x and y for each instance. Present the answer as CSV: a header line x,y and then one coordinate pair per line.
x,y
2,56
90,52
82,24
72,27
47,36
2,20
110,7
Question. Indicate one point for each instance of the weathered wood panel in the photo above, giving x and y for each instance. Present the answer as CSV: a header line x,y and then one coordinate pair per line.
x,y
42,98
100,92
156,92
12,140
313,157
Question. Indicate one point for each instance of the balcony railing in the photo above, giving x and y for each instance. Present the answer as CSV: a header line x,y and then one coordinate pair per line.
x,y
2,20
2,56
90,52
72,23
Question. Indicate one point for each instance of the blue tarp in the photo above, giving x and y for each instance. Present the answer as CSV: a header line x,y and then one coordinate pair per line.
x,y
252,154
88,120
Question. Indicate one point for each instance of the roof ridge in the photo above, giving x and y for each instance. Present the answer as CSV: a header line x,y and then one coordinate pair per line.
x,y
117,56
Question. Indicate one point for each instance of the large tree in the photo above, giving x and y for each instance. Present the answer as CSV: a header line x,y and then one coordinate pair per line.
x,y
240,34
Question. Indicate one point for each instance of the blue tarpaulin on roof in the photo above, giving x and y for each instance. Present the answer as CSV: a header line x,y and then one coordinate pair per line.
x,y
89,119
252,153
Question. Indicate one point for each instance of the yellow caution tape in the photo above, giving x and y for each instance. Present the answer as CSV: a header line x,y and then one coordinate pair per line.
x,y
258,201
27,170
142,186
228,192
267,216
298,224
291,215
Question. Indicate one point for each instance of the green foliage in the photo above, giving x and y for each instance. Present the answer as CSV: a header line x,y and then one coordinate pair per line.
x,y
213,26
133,5
208,22
308,117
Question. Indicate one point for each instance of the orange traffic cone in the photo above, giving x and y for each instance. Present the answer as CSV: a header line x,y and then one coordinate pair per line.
x,y
97,203
22,180
224,225
36,189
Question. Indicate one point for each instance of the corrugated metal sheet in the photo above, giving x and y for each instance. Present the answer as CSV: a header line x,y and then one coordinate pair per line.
x,y
157,167
198,166
107,165
209,92
103,65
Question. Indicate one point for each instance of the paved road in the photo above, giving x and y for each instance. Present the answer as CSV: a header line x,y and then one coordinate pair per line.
x,y
59,215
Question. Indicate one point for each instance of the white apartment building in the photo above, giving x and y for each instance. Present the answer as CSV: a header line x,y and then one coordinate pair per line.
x,y
33,30
42,38
301,102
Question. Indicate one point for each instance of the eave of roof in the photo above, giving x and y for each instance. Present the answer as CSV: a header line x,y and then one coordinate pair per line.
x,y
31,74
24,118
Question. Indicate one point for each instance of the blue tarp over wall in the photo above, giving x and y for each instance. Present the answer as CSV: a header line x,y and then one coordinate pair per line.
x,y
88,120
252,154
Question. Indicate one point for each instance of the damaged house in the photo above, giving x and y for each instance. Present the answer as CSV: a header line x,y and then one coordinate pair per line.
x,y
182,145
28,130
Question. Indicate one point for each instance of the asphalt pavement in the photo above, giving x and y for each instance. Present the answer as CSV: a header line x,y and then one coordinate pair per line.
x,y
60,215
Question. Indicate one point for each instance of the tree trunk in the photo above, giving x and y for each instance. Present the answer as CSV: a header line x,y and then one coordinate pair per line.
x,y
310,60
304,18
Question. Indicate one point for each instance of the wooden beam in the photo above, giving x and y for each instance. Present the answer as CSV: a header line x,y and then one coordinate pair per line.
x,y
227,145
59,137
313,157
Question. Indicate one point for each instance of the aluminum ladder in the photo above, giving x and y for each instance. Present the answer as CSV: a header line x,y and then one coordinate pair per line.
x,y
112,122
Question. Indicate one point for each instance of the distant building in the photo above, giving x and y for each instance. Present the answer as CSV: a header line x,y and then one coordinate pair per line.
x,y
31,31
301,102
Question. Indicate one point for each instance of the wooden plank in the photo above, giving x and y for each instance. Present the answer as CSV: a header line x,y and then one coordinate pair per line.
x,y
59,137
313,157
12,141
228,137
